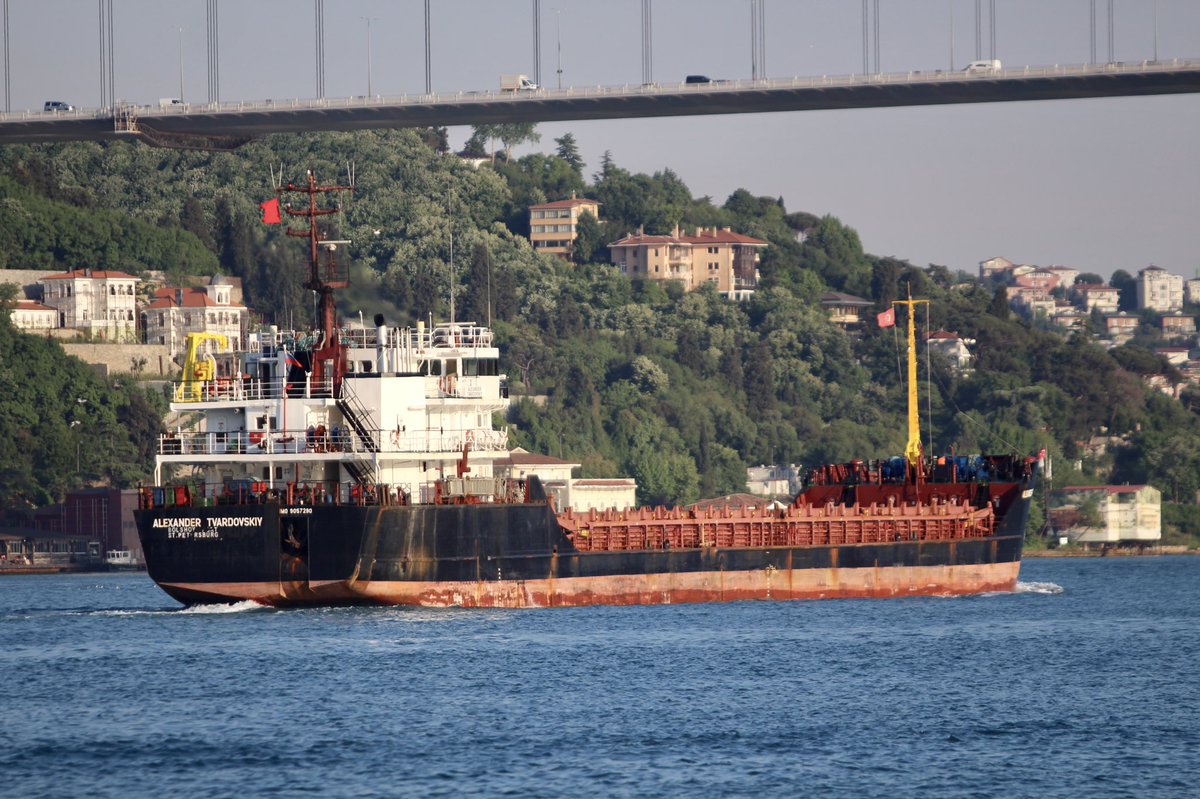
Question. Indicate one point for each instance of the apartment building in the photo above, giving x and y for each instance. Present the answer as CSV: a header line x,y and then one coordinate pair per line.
x,y
720,257
1096,296
553,227
1159,290
99,303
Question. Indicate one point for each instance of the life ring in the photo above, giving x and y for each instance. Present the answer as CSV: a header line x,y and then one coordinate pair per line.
x,y
470,438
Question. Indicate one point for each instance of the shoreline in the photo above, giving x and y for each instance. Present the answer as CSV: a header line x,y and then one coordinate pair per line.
x,y
1148,552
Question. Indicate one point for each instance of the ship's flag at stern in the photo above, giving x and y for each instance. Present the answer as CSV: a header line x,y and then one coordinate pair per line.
x,y
887,318
270,211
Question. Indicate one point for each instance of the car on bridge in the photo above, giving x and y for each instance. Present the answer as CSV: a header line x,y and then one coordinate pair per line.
x,y
57,105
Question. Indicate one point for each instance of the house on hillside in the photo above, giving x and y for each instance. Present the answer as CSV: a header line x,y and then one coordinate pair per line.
x,y
1066,275
845,309
1176,325
99,303
1042,279
719,257
1097,296
996,268
174,312
1120,327
953,348
554,227
33,317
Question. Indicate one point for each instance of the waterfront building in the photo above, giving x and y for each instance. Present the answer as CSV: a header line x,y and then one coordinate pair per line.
x,y
33,317
1108,515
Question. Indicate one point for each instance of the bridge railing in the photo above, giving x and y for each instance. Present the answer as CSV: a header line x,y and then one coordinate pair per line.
x,y
717,86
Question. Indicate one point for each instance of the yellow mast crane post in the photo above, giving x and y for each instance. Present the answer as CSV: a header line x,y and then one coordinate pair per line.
x,y
197,369
912,450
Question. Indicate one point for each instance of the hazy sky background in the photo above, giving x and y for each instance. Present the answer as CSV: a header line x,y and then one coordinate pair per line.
x,y
1093,184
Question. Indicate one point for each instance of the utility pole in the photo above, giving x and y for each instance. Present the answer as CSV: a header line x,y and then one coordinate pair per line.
x,y
369,20
558,41
181,65
428,84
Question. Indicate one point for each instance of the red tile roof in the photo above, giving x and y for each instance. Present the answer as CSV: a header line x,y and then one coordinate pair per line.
x,y
30,305
702,238
571,203
192,298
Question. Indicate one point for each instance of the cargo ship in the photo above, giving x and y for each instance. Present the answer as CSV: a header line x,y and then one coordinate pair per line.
x,y
357,465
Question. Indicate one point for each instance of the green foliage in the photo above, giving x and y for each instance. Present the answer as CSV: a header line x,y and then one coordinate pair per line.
x,y
680,391
41,233
61,427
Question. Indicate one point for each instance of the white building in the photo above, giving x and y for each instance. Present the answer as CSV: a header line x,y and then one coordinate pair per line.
x,y
773,481
99,303
953,348
1108,514
33,317
175,312
1159,290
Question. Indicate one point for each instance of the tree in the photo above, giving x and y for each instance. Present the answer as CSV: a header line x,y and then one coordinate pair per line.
x,y
1126,284
568,151
515,133
999,306
760,379
193,220
589,239
476,145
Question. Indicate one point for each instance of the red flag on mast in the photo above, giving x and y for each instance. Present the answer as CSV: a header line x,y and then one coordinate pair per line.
x,y
270,211
887,318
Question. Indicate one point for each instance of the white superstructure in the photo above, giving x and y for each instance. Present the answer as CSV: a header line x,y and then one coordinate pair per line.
x,y
413,405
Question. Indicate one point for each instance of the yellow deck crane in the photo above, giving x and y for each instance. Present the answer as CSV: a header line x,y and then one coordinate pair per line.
x,y
198,368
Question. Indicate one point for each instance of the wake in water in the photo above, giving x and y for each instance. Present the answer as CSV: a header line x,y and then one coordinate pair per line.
x,y
1038,588
236,607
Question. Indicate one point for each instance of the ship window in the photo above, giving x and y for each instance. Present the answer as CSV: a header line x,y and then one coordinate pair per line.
x,y
470,367
435,367
366,367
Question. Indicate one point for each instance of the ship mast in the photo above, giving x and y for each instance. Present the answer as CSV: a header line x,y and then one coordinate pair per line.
x,y
912,450
329,357
322,278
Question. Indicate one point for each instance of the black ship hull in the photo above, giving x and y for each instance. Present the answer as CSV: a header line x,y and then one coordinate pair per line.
x,y
517,555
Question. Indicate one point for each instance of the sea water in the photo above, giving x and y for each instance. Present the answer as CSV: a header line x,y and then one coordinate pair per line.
x,y
1083,683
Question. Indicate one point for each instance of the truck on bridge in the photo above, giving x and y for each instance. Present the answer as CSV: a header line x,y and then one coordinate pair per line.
x,y
517,83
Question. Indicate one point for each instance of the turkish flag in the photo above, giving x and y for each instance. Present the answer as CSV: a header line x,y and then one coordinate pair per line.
x,y
887,318
270,211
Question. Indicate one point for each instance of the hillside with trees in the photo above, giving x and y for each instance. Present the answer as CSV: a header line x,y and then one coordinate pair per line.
x,y
680,391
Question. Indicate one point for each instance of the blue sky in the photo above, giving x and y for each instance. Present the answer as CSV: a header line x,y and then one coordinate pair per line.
x,y
1094,184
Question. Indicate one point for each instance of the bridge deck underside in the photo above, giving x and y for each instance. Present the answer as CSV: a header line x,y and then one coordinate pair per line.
x,y
238,125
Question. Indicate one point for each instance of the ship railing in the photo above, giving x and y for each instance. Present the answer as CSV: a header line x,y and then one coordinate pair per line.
x,y
452,387
313,440
457,335
479,439
234,389
297,494
321,440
